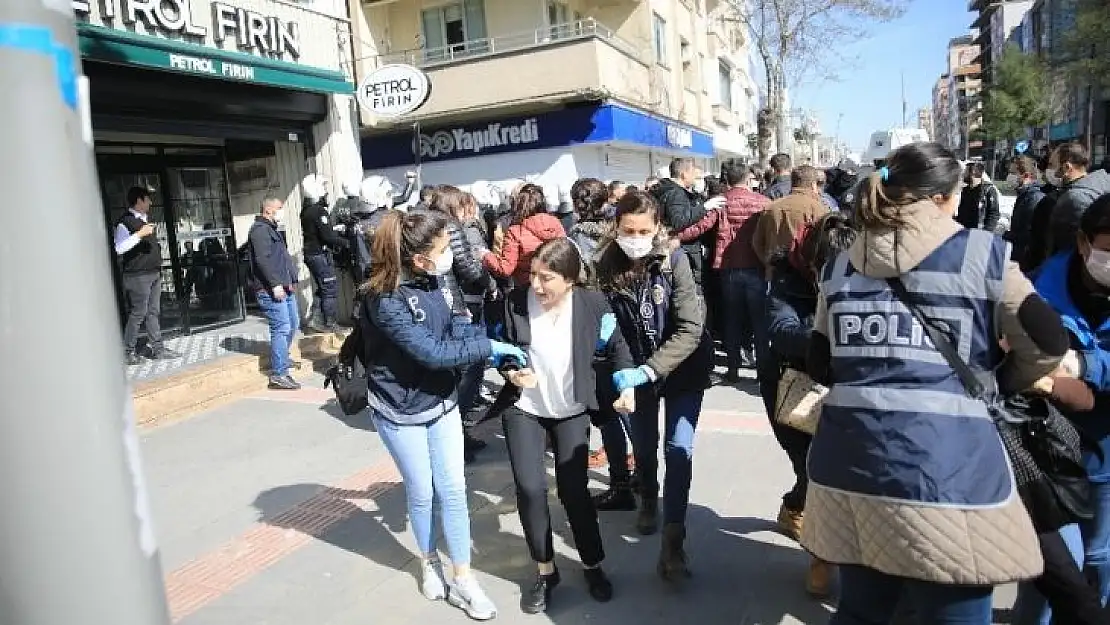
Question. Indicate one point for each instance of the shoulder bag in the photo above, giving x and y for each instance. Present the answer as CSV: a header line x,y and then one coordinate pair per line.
x,y
1044,447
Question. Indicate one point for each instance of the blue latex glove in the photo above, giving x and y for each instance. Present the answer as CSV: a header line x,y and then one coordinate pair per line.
x,y
608,325
500,351
630,378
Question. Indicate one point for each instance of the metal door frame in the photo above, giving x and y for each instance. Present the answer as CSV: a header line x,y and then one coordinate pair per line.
x,y
160,163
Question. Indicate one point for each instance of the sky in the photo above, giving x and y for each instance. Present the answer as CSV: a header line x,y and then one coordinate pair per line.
x,y
869,92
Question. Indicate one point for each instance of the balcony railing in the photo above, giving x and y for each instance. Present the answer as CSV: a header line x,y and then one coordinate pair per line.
x,y
514,42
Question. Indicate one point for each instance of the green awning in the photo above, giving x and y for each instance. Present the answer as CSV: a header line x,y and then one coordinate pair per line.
x,y
127,48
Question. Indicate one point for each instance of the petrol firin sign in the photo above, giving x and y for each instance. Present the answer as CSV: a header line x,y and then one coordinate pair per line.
x,y
394,90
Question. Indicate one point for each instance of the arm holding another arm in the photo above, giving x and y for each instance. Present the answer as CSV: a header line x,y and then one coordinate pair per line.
x,y
1037,338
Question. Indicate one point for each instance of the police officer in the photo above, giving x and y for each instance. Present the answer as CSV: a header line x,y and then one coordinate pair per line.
x,y
320,243
140,259
903,448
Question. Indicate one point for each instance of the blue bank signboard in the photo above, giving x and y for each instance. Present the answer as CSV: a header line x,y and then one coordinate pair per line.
x,y
571,126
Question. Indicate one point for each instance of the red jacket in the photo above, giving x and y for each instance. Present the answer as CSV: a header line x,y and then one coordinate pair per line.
x,y
735,224
520,243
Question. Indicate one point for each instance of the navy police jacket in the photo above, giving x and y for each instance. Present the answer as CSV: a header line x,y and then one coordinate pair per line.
x,y
414,346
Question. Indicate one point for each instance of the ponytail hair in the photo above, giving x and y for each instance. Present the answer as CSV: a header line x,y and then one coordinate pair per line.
x,y
914,172
399,238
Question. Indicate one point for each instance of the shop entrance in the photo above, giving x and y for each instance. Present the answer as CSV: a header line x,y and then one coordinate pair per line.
x,y
191,212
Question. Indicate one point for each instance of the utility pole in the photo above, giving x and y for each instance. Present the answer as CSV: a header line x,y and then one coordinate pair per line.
x,y
76,541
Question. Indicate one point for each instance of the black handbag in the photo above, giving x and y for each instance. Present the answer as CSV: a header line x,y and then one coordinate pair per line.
x,y
349,383
1045,448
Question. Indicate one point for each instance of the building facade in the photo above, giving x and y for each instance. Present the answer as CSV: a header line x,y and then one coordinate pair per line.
x,y
942,132
925,121
965,105
213,105
1043,32
554,90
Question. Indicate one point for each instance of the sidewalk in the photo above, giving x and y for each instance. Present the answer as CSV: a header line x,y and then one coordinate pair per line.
x,y
274,510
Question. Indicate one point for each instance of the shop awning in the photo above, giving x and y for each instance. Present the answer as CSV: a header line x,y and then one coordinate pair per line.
x,y
126,48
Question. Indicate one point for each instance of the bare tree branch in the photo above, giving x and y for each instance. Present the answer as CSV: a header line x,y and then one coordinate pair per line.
x,y
799,39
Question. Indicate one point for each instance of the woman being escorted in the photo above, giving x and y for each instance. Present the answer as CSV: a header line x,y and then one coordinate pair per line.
x,y
791,303
662,317
418,345
556,390
910,489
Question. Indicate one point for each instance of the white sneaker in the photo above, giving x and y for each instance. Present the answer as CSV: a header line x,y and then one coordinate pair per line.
x,y
432,583
467,595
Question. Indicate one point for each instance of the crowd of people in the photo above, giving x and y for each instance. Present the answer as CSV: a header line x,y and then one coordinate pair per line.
x,y
937,349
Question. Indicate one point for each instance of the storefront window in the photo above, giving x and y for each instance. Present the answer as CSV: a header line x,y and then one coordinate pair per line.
x,y
191,211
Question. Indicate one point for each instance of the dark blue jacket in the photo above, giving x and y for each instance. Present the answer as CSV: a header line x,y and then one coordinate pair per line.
x,y
791,304
415,346
780,188
1021,220
270,262
1093,345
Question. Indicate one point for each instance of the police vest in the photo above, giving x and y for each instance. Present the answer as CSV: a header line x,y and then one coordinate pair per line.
x,y
897,423
146,256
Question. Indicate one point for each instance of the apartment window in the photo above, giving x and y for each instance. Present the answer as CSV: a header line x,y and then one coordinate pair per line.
x,y
559,19
659,38
689,72
557,13
454,30
724,84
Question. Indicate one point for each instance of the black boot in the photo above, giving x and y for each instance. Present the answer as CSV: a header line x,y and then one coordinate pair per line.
x,y
647,522
618,498
601,589
537,597
672,557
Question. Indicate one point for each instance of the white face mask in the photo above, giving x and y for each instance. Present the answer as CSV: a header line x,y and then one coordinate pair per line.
x,y
698,186
1098,266
1013,180
636,247
444,263
1053,179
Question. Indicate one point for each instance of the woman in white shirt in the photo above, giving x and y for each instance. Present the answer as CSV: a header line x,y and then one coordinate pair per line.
x,y
566,331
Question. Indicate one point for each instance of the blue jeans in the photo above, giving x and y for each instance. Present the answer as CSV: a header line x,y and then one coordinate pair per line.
x,y
1031,608
429,457
868,597
680,421
744,297
1096,538
285,319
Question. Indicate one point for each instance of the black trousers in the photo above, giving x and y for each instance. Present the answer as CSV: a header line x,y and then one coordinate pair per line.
x,y
322,268
1074,601
525,436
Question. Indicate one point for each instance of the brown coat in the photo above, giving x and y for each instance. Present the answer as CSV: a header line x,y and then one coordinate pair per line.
x,y
780,222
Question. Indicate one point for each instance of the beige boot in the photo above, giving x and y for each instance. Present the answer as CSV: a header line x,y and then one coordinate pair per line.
x,y
819,578
790,522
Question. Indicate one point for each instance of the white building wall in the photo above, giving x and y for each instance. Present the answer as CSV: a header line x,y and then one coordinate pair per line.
x,y
549,167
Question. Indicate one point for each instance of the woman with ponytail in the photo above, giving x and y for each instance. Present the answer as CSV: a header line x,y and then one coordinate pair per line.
x,y
910,490
415,347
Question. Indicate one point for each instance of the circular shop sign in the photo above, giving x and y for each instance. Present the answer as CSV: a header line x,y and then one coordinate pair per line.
x,y
394,90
